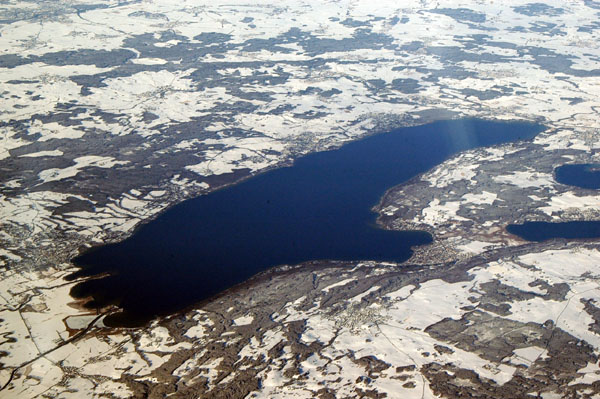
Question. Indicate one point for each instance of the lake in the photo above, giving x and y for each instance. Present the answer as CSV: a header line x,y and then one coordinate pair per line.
x,y
542,231
318,208
579,175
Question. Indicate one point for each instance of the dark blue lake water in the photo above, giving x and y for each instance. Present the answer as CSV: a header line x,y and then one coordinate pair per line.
x,y
579,175
542,231
319,208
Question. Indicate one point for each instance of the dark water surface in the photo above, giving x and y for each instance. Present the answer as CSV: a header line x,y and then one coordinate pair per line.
x,y
319,208
579,175
542,231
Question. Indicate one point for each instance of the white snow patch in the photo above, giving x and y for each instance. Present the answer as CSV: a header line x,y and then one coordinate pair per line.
x,y
338,284
55,174
526,179
244,320
53,153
